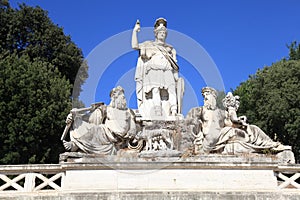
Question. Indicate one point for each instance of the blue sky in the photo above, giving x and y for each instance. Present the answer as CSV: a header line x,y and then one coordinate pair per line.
x,y
239,36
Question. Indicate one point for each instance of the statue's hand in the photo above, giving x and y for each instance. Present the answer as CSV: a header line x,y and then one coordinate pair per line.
x,y
68,145
137,26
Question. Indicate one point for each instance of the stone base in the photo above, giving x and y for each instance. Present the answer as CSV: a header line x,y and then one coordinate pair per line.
x,y
199,173
156,195
162,153
169,180
169,156
202,177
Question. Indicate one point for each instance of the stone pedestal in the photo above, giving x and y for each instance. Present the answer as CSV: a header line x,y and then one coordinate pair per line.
x,y
170,180
204,177
201,173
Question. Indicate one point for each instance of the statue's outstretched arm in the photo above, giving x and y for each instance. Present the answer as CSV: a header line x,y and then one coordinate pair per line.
x,y
134,39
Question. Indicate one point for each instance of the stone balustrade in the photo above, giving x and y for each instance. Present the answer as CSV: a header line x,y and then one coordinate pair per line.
x,y
31,178
210,179
36,178
288,177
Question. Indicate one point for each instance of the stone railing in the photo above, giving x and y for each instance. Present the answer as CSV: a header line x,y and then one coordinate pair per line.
x,y
31,178
36,178
288,177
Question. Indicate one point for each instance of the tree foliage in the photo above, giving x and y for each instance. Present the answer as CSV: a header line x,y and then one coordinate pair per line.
x,y
34,99
4,4
38,65
29,31
271,100
294,48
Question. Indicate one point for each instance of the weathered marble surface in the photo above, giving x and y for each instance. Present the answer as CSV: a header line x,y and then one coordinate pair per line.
x,y
173,157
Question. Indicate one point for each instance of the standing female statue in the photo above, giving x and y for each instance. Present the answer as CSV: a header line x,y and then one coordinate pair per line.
x,y
157,74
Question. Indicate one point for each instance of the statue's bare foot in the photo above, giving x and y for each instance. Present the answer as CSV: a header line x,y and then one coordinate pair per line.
x,y
278,147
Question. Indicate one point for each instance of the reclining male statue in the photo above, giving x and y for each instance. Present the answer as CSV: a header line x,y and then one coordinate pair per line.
x,y
104,132
240,137
218,131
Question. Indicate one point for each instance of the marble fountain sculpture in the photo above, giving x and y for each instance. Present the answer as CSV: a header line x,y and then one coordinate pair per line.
x,y
157,136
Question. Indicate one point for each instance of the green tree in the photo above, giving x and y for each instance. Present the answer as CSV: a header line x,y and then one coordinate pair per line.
x,y
34,100
4,4
38,67
271,100
294,51
29,31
